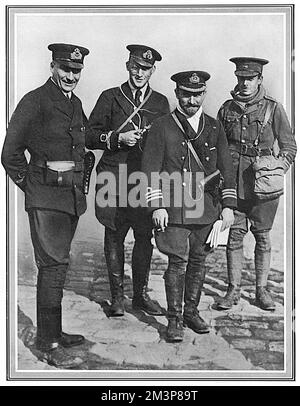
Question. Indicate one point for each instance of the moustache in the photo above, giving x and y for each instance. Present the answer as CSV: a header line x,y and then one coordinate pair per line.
x,y
69,82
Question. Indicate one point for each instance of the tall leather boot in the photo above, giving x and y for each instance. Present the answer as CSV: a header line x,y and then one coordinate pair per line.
x,y
141,259
235,258
174,285
193,287
50,284
114,255
49,334
262,267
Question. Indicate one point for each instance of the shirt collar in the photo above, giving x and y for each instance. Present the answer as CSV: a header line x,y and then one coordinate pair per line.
x,y
68,95
133,89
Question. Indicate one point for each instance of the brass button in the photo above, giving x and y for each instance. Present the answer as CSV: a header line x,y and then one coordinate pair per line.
x,y
183,184
206,144
244,128
183,157
183,143
244,116
184,170
207,158
243,141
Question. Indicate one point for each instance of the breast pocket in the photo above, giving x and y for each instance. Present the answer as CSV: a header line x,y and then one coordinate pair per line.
x,y
255,122
232,127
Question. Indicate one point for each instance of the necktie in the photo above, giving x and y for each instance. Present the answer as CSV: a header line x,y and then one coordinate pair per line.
x,y
137,98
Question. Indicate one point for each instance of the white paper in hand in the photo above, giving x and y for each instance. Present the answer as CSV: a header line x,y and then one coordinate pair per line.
x,y
216,236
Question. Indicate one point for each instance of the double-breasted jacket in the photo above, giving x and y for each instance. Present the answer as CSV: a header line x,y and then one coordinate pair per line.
x,y
51,127
112,109
166,151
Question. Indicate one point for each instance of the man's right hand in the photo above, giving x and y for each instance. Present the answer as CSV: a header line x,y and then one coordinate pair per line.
x,y
129,138
160,219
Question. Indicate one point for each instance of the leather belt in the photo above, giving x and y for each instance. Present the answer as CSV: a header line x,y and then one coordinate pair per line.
x,y
249,150
59,166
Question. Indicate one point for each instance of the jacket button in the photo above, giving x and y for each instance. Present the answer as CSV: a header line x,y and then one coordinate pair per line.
x,y
206,144
243,141
243,128
183,143
184,170
182,157
82,128
207,158
70,129
244,116
183,184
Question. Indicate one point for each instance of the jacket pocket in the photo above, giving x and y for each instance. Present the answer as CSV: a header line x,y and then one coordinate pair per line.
x,y
57,178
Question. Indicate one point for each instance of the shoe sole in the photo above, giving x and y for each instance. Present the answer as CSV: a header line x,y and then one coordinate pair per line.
x,y
116,315
174,340
72,345
270,309
224,307
197,331
147,311
65,366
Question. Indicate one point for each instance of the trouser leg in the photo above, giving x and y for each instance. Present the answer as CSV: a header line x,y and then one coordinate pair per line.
x,y
51,233
50,283
114,255
262,268
194,279
141,261
235,259
262,217
174,286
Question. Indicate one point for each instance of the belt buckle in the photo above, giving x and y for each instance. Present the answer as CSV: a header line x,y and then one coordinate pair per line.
x,y
244,149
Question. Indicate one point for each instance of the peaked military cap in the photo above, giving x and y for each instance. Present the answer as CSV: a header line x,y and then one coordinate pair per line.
x,y
69,55
248,66
192,81
144,55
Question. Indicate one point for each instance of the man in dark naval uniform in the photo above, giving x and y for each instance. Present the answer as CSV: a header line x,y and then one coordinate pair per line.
x,y
243,117
187,142
118,125
50,124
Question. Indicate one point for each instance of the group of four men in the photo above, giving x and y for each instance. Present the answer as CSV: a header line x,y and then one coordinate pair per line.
x,y
133,125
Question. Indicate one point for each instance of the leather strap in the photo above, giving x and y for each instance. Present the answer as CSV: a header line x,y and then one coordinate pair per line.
x,y
268,113
190,146
135,111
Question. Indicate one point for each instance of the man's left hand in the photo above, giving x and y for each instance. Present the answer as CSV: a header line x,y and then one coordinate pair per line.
x,y
228,218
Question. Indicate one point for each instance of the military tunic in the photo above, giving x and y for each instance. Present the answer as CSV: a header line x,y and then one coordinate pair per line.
x,y
52,128
113,107
166,150
242,122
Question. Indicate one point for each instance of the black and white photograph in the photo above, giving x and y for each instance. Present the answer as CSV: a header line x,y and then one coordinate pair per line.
x,y
148,178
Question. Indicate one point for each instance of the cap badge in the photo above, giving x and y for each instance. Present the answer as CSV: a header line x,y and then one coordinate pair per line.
x,y
148,54
246,66
194,78
76,54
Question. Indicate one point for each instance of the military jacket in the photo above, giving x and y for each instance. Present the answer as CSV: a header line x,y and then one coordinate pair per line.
x,y
166,152
112,108
51,127
242,123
